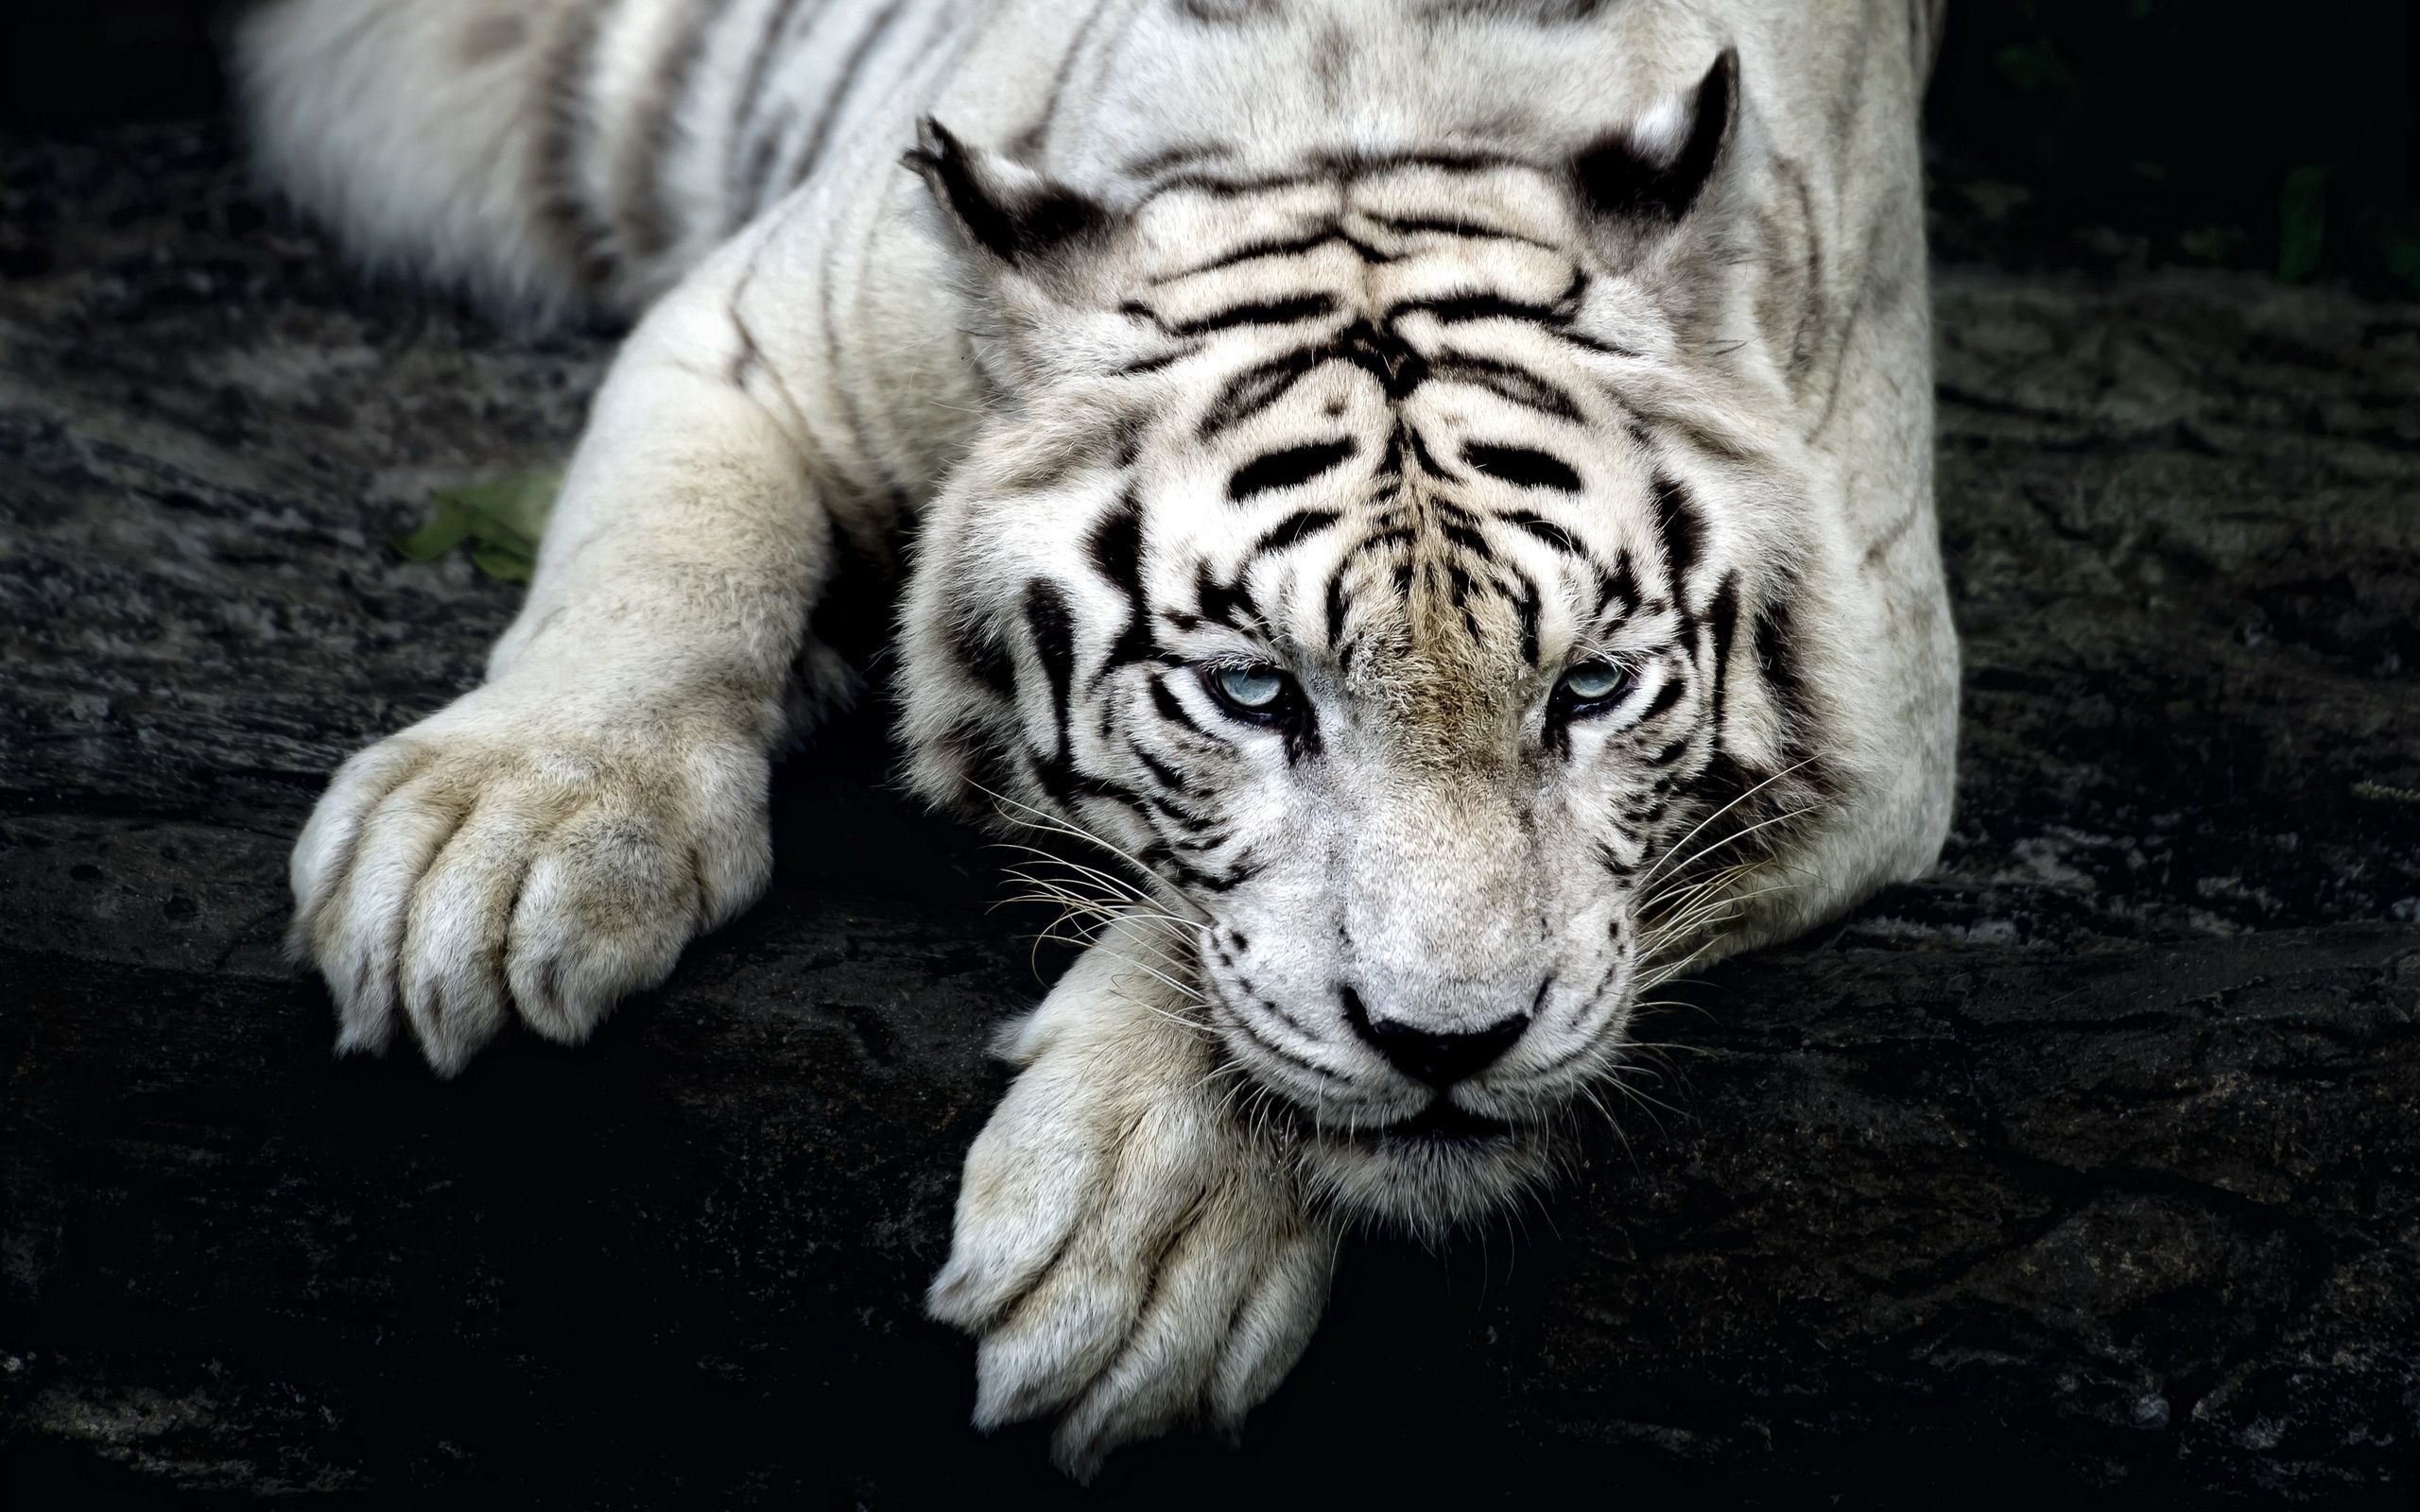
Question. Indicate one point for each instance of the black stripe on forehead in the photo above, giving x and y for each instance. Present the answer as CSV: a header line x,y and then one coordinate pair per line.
x,y
1116,547
1682,531
1254,251
1522,466
1460,529
1288,468
1617,586
1294,529
1508,381
1228,603
1054,646
1284,311
1543,530
979,650
1252,390
1399,369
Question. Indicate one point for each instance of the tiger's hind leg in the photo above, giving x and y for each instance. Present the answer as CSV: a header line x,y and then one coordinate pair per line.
x,y
545,155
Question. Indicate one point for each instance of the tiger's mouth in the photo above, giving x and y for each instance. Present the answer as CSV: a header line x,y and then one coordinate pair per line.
x,y
1442,1121
1440,1168
1430,1171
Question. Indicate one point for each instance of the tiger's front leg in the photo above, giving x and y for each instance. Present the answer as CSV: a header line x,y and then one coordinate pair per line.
x,y
548,843
1131,1255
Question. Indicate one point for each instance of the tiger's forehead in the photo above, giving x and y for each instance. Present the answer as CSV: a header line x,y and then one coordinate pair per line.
x,y
1349,343
1389,228
1402,579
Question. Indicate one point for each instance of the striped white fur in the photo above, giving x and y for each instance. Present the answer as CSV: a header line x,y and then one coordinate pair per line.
x,y
1430,362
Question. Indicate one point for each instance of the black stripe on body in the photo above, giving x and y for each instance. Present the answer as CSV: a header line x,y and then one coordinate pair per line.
x,y
837,96
747,175
1037,138
1184,154
1811,293
642,203
563,208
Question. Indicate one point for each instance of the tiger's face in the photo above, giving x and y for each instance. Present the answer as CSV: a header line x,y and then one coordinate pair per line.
x,y
1341,559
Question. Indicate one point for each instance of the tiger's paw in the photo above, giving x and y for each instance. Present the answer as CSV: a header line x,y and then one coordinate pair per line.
x,y
1130,1259
523,850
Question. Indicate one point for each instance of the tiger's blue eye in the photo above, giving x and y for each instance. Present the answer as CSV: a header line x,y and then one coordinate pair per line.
x,y
1258,691
1592,682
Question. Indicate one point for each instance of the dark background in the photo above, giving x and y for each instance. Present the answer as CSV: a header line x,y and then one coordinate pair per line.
x,y
2130,132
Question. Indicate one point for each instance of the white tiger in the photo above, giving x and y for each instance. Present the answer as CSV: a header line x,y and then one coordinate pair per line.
x,y
1439,489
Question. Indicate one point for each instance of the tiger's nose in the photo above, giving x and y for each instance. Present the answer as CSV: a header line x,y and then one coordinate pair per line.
x,y
1424,1056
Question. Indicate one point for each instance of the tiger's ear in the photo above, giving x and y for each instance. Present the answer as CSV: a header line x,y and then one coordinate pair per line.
x,y
1003,210
1648,175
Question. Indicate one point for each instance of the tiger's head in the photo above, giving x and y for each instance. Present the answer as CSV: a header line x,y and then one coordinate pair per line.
x,y
1373,555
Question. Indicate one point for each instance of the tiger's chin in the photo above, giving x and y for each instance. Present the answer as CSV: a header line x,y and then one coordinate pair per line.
x,y
1433,1172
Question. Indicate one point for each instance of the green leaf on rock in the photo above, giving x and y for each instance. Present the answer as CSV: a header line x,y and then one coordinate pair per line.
x,y
447,529
501,520
504,563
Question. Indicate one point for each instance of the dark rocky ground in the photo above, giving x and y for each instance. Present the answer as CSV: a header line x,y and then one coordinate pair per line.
x,y
2087,1170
